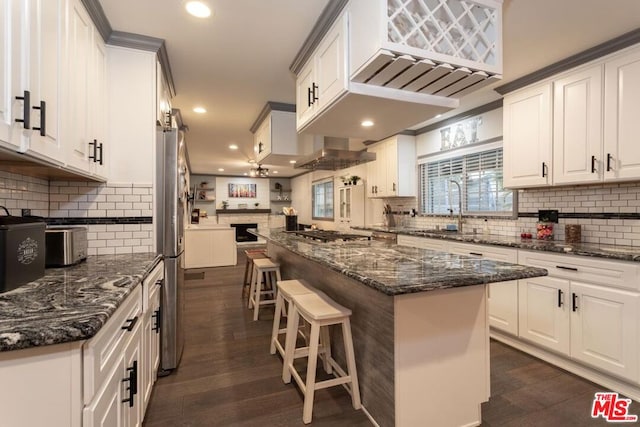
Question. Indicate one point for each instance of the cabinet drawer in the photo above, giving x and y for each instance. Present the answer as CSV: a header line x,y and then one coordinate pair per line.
x,y
603,272
423,243
103,351
150,283
489,252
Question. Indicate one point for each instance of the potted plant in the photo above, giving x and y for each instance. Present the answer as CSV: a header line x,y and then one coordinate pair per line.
x,y
225,204
256,205
346,180
355,179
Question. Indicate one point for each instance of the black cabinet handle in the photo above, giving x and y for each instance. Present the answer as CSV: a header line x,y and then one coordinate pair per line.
x,y
574,302
475,253
93,146
99,149
560,298
159,282
609,157
260,147
593,164
132,379
26,109
544,169
157,319
43,118
562,267
131,323
309,97
315,95
394,187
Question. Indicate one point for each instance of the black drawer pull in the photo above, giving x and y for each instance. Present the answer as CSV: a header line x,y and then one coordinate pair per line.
x,y
43,118
157,318
475,253
560,298
26,109
593,164
159,282
609,157
544,169
132,379
574,302
131,324
315,95
562,267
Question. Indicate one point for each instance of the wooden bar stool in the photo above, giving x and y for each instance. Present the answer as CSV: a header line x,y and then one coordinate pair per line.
x,y
320,311
251,254
263,268
286,288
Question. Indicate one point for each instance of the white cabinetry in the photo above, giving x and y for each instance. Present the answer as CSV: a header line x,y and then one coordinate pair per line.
x,y
527,147
10,51
423,243
324,77
275,140
210,247
503,296
394,172
621,112
132,109
350,206
151,332
587,309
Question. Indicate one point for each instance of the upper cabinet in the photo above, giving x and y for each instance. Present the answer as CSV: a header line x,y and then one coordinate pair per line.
x,y
394,172
527,116
577,127
10,86
397,63
275,140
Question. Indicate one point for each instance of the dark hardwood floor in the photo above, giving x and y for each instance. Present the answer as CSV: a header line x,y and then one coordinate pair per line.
x,y
228,378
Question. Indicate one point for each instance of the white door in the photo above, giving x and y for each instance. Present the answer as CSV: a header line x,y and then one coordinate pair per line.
x,y
621,113
305,106
503,306
543,312
107,409
45,59
527,116
10,51
330,65
604,330
577,128
76,118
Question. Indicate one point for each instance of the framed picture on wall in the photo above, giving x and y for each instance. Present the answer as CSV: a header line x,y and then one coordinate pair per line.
x,y
245,191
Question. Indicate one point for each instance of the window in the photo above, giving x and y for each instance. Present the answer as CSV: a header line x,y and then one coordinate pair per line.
x,y
480,177
322,199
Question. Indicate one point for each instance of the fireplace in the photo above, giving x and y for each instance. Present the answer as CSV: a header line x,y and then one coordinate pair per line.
x,y
242,235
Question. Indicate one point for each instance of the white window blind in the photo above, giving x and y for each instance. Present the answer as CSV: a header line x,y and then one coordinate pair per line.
x,y
322,200
480,178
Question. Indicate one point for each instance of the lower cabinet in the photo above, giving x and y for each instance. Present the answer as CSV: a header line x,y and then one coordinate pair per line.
x,y
151,336
210,247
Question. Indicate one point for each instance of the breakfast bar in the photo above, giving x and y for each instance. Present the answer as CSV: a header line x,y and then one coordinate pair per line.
x,y
420,326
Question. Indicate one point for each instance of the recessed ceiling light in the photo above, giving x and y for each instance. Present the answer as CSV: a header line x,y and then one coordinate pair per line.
x,y
245,174
200,110
275,171
251,161
438,116
367,123
198,9
293,162
233,147
220,169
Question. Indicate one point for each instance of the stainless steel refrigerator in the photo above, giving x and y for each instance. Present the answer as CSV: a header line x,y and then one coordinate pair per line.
x,y
171,195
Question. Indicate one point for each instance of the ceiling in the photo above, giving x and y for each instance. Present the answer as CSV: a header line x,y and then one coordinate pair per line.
x,y
235,61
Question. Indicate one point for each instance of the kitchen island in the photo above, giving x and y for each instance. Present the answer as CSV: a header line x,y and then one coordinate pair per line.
x,y
419,322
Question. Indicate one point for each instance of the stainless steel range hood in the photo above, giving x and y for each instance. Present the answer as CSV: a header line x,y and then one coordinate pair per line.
x,y
334,154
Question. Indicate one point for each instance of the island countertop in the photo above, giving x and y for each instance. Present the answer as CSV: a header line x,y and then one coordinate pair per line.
x,y
72,303
396,270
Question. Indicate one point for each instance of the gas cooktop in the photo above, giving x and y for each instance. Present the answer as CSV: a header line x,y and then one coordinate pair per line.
x,y
329,236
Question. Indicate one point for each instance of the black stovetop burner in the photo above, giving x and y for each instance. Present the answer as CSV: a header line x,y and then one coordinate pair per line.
x,y
329,236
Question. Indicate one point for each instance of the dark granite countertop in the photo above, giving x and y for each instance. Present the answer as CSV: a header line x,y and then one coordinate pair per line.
x,y
394,269
72,303
614,252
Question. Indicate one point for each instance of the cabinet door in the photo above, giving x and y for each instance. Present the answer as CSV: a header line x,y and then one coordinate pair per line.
x,y
106,408
604,331
527,137
98,106
621,112
577,128
199,248
76,116
262,145
10,51
381,170
132,389
45,57
391,169
330,64
372,170
503,306
305,106
543,312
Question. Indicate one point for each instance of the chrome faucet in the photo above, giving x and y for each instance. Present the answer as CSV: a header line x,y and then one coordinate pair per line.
x,y
459,206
